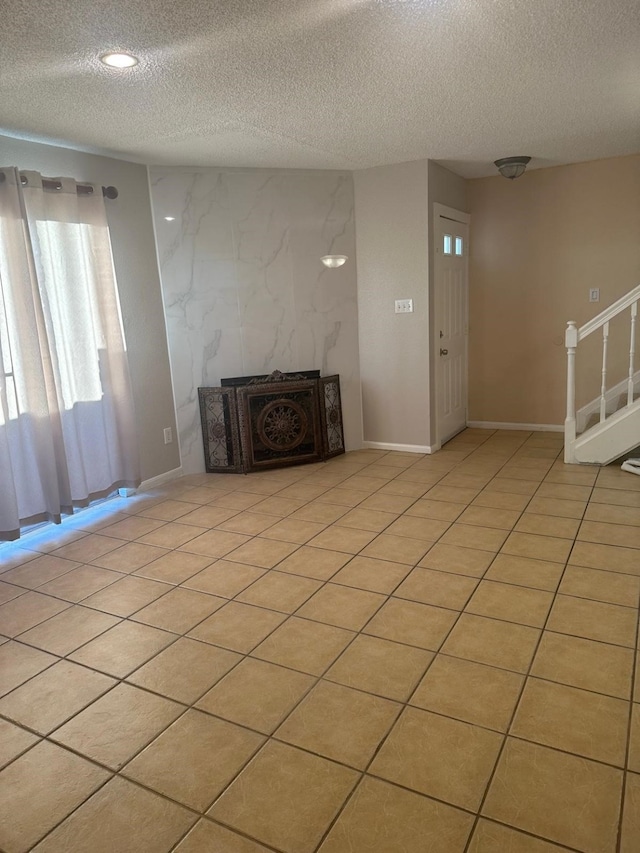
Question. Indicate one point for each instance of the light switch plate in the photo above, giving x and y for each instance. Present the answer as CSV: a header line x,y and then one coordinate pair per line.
x,y
594,294
404,306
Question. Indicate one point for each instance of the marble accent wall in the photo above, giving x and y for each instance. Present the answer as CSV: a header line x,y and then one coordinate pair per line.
x,y
243,286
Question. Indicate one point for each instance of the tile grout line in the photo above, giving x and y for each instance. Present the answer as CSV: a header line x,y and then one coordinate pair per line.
x,y
324,584
126,618
527,675
75,808
302,698
627,757
385,738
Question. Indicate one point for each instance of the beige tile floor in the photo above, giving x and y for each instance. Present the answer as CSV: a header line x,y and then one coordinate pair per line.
x,y
386,652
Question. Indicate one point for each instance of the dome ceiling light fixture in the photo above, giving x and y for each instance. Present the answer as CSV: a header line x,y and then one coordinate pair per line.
x,y
512,167
119,60
333,261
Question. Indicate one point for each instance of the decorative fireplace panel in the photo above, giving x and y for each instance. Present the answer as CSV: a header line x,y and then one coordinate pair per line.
x,y
219,416
279,423
331,414
271,421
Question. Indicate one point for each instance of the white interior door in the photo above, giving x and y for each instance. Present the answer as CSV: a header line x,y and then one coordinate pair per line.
x,y
451,323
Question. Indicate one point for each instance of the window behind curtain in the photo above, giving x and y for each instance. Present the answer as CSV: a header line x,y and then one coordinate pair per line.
x,y
67,430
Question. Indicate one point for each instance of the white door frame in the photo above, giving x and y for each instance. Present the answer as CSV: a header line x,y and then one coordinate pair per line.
x,y
441,210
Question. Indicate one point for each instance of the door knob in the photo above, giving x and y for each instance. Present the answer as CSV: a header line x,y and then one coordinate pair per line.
x,y
444,352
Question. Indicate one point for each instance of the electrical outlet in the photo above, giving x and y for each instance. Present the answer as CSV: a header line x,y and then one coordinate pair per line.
x,y
404,306
594,294
168,435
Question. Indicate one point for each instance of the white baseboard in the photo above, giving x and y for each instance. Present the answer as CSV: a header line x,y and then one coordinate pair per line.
x,y
401,448
146,485
528,427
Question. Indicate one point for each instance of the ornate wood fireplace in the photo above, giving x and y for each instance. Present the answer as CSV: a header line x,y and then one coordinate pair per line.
x,y
252,423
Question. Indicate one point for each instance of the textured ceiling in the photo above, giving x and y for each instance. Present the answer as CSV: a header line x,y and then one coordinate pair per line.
x,y
326,83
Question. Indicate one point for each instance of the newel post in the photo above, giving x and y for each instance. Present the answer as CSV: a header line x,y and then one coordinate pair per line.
x,y
571,342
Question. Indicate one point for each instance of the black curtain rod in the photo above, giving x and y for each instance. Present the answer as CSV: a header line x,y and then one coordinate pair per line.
x,y
81,189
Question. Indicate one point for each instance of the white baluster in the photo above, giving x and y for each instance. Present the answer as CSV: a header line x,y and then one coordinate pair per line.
x,y
603,386
632,352
571,342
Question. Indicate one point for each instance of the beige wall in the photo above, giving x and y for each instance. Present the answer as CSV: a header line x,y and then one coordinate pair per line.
x,y
445,187
135,262
537,245
392,250
394,233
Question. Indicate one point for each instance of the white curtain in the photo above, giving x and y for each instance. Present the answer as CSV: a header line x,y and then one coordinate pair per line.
x,y
67,428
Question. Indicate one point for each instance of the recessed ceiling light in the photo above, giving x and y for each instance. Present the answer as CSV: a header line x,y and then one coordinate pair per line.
x,y
119,60
170,218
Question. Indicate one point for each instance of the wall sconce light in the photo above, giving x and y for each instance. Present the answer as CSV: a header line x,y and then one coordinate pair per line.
x,y
333,261
119,60
512,167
